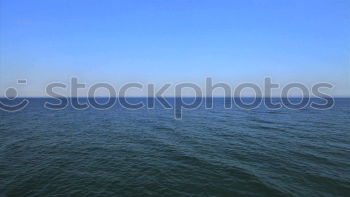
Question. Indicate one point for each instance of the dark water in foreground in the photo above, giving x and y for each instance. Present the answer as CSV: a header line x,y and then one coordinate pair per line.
x,y
217,152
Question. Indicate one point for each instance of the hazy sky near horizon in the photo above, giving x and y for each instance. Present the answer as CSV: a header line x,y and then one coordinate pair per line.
x,y
157,41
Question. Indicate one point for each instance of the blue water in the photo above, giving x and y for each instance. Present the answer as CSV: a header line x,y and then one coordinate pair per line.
x,y
146,152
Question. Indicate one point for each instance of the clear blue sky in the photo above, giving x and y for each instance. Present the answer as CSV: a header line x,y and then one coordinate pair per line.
x,y
158,41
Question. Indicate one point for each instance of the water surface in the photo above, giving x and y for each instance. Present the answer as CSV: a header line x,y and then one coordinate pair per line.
x,y
146,152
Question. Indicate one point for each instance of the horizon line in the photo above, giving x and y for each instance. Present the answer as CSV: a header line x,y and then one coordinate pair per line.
x,y
34,97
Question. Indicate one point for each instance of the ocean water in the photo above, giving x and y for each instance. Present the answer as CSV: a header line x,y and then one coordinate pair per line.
x,y
146,152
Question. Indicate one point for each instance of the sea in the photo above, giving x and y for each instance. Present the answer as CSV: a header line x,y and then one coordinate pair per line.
x,y
148,152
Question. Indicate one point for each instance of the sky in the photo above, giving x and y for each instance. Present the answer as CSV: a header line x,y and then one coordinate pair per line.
x,y
158,41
